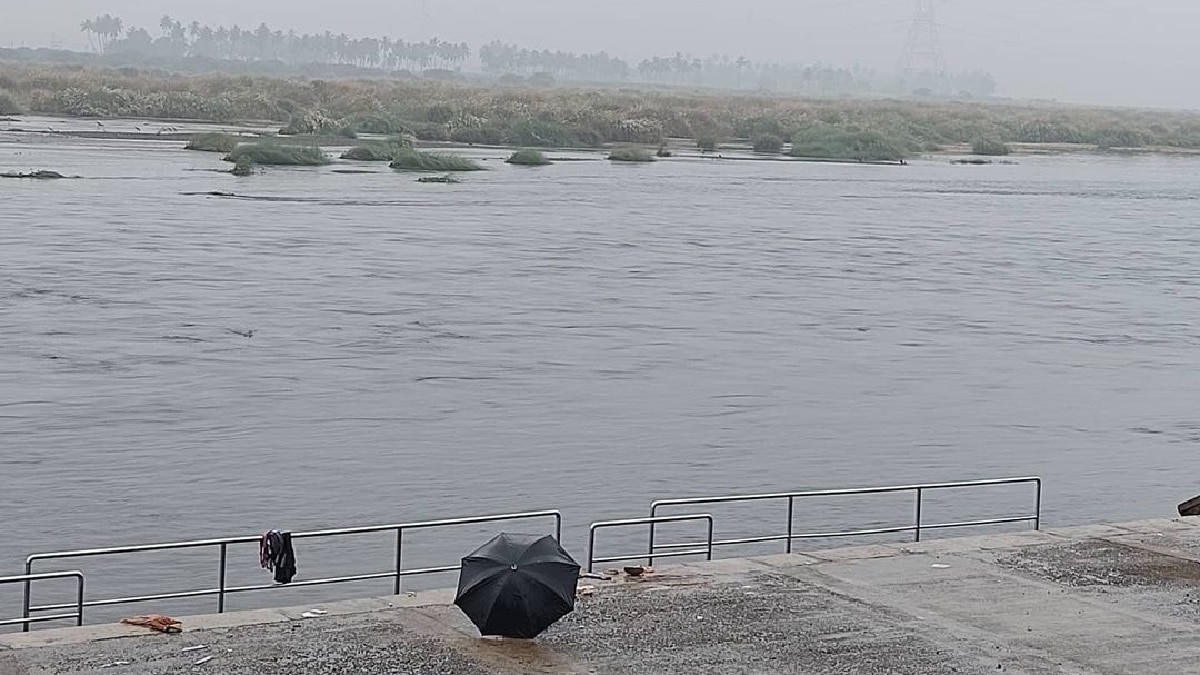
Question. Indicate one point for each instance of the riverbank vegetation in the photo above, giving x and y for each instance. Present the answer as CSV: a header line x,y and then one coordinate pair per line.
x,y
582,118
767,143
213,142
630,153
378,151
416,160
830,142
8,104
989,147
528,157
271,153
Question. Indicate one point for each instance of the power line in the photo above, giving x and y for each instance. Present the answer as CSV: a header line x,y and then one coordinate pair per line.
x,y
923,50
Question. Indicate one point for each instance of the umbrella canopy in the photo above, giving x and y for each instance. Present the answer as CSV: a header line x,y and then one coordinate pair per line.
x,y
517,585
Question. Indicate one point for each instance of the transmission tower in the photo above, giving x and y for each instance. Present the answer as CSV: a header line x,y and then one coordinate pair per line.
x,y
923,49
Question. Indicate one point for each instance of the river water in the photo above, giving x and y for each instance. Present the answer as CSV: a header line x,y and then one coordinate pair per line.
x,y
329,349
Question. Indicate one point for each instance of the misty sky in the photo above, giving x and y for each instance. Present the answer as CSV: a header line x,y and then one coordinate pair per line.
x,y
1125,52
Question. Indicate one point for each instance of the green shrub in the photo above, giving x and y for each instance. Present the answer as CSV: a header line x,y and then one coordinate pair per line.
x,y
267,153
242,167
487,136
528,157
767,143
707,143
213,142
8,104
827,142
415,160
630,153
990,147
377,151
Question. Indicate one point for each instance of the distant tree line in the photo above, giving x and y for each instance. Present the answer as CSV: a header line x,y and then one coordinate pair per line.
x,y
177,40
507,62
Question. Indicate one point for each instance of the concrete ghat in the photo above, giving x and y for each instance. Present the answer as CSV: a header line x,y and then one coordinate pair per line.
x,y
1102,599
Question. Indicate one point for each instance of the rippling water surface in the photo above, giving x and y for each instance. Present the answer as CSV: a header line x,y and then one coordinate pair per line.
x,y
330,349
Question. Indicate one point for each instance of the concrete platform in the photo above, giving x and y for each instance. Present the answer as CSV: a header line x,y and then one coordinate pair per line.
x,y
1095,600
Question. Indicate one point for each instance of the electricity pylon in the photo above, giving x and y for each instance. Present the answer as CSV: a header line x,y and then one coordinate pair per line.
x,y
923,49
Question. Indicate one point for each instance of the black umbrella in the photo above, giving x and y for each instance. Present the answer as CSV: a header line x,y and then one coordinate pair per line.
x,y
517,585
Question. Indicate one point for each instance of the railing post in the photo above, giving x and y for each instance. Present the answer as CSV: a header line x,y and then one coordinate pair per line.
x,y
710,537
28,589
791,512
920,498
591,548
650,548
399,559
1037,512
79,602
221,578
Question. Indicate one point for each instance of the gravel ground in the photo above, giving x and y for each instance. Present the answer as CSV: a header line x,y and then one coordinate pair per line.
x,y
1096,562
365,644
766,625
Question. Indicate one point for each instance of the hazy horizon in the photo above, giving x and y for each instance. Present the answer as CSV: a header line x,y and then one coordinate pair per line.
x,y
1111,52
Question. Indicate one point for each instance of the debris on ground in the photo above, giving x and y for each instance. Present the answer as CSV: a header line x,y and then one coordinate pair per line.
x,y
157,622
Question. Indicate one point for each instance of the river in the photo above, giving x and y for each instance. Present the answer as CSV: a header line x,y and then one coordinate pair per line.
x,y
328,349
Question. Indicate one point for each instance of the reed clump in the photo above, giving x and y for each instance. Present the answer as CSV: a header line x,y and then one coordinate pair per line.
x,y
8,104
528,157
267,153
213,142
378,151
630,153
990,147
828,142
416,160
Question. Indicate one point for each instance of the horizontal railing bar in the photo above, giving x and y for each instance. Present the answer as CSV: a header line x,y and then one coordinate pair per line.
x,y
250,539
246,589
648,521
651,521
69,574
107,602
974,523
313,582
723,542
820,535
430,570
843,491
39,619
857,533
635,556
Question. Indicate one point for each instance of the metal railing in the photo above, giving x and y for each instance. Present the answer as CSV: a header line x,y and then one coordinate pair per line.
x,y
688,549
222,590
28,579
917,527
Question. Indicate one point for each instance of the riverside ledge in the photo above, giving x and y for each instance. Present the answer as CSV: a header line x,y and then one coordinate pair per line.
x,y
1103,599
